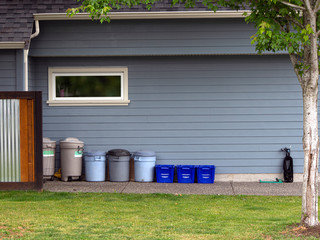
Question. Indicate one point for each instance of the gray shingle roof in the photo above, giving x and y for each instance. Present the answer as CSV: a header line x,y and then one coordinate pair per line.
x,y
16,16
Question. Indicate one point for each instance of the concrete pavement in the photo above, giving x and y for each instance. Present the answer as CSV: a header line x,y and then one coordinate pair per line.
x,y
223,188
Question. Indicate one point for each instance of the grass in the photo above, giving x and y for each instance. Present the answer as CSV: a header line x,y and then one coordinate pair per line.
x,y
34,215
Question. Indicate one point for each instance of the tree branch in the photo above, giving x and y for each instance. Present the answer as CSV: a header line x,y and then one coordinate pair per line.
x,y
317,6
293,5
294,62
291,19
317,34
308,6
277,22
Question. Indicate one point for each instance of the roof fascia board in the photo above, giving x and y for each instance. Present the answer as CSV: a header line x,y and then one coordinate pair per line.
x,y
11,45
145,15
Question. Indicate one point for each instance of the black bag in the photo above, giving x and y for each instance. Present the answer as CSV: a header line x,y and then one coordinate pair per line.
x,y
288,167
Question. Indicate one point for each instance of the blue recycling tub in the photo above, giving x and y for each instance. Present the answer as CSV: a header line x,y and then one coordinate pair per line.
x,y
205,173
185,173
165,173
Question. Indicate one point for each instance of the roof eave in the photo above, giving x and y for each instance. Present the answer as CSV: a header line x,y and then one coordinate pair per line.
x,y
12,45
146,15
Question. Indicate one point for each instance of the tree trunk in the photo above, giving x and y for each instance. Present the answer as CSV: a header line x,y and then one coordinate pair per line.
x,y
309,215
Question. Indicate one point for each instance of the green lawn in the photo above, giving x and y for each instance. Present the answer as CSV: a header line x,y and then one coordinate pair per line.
x,y
34,215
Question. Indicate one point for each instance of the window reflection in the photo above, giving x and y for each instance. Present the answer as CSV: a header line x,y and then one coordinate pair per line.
x,y
88,86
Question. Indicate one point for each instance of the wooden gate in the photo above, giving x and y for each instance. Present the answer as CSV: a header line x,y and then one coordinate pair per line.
x,y
21,140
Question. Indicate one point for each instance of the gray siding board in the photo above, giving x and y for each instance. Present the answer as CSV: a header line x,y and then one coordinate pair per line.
x,y
6,65
140,139
166,150
234,112
137,37
232,126
184,133
150,26
7,70
31,77
177,118
173,111
152,35
20,73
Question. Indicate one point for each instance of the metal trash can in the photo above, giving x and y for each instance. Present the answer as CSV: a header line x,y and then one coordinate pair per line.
x,y
71,151
49,150
144,164
95,166
119,165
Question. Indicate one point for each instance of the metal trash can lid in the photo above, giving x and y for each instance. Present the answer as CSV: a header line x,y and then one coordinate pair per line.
x,y
119,152
71,143
48,143
145,153
94,153
95,156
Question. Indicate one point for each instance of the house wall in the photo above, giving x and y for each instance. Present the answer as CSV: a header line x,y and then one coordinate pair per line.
x,y
143,37
235,112
7,70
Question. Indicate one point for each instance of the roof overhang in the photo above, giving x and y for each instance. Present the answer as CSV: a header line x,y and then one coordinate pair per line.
x,y
146,15
12,45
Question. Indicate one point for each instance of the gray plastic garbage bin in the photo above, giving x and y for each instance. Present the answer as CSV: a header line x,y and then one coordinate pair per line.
x,y
119,165
71,158
144,164
49,151
95,166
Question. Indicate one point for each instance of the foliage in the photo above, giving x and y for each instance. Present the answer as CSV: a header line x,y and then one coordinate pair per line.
x,y
47,215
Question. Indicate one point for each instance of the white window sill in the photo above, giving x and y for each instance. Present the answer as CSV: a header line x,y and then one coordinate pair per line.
x,y
89,103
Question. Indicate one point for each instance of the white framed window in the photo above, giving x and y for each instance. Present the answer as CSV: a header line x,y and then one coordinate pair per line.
x,y
85,86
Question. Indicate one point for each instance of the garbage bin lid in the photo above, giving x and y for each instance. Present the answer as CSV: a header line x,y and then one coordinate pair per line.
x,y
119,152
71,140
47,142
95,153
145,153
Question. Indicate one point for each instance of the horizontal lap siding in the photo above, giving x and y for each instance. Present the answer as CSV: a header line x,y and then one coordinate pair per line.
x,y
7,70
140,37
236,112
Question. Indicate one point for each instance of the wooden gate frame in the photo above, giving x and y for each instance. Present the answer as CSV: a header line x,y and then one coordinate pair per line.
x,y
37,184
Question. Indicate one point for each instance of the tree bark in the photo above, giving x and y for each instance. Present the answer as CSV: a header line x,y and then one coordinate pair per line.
x,y
309,84
309,215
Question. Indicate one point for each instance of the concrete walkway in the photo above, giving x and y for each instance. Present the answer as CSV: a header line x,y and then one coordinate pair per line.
x,y
223,188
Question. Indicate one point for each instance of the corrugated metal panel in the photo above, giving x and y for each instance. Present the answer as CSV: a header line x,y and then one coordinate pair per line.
x,y
10,140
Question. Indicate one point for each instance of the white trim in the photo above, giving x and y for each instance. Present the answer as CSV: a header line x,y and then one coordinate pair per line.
x,y
11,45
87,101
297,177
146,15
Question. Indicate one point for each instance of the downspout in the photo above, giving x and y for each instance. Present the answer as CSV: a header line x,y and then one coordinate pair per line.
x,y
25,57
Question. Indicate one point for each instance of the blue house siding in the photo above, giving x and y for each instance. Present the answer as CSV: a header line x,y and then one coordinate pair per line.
x,y
140,37
8,70
236,112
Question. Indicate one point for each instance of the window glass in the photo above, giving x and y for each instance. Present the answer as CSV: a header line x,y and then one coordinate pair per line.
x,y
88,86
